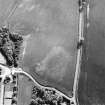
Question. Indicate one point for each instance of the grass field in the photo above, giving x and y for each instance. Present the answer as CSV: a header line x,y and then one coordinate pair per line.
x,y
50,24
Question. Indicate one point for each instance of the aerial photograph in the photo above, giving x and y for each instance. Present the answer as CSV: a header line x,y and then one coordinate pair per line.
x,y
52,52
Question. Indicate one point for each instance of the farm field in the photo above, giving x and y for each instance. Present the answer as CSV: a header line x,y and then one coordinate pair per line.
x,y
52,30
92,78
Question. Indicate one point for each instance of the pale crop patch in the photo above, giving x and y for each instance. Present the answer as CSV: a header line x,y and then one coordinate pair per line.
x,y
54,65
